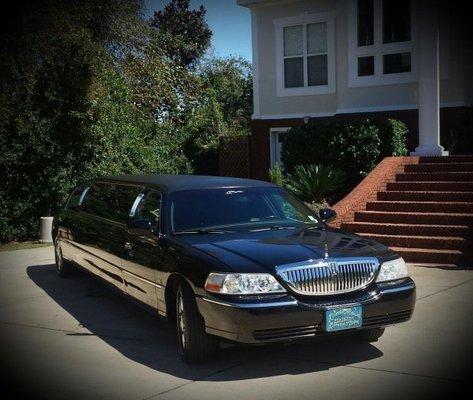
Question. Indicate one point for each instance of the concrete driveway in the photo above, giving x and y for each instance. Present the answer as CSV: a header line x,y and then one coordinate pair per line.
x,y
74,338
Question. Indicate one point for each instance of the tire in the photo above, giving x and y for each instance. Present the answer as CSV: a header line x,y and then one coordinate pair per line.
x,y
371,335
64,268
195,345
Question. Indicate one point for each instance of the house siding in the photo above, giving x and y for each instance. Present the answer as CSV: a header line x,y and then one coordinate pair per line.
x,y
376,102
270,103
455,80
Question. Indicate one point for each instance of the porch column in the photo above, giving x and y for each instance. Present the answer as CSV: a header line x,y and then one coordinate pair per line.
x,y
428,72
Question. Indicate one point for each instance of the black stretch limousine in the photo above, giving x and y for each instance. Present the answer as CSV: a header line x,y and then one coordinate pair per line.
x,y
230,258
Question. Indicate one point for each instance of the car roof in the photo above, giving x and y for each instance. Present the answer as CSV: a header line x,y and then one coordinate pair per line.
x,y
174,183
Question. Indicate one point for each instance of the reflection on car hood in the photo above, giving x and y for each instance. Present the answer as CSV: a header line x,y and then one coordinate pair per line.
x,y
262,251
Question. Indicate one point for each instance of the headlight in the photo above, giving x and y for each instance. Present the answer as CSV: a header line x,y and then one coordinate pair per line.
x,y
392,270
242,284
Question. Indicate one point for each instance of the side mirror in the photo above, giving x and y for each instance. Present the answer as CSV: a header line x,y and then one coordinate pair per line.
x,y
327,214
141,227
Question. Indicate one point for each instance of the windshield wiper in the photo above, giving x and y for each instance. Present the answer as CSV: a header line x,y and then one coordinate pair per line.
x,y
318,226
202,231
272,228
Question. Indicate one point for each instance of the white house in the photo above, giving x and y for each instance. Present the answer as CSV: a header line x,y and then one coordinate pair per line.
x,y
408,59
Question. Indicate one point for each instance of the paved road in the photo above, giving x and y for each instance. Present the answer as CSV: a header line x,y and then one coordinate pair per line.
x,y
74,338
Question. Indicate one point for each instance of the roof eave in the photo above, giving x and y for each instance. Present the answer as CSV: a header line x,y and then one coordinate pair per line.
x,y
248,3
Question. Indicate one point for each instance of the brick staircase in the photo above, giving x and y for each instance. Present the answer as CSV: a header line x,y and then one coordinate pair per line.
x,y
420,207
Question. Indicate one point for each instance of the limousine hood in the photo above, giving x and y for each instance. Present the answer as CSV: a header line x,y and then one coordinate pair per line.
x,y
262,251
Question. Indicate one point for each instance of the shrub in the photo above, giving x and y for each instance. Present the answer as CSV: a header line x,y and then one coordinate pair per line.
x,y
305,144
354,148
459,138
351,146
394,138
314,183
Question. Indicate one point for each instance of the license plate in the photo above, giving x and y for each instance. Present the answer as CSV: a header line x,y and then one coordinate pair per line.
x,y
339,319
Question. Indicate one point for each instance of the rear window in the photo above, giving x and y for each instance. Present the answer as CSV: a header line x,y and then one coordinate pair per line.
x,y
111,201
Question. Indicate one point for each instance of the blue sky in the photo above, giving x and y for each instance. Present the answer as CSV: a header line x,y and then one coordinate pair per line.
x,y
230,24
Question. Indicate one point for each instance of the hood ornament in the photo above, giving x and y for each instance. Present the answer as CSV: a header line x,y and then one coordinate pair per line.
x,y
326,250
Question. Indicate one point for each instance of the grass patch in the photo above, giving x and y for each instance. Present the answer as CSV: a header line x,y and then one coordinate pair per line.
x,y
22,245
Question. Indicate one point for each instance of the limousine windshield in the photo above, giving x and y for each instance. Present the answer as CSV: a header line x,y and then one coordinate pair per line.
x,y
240,208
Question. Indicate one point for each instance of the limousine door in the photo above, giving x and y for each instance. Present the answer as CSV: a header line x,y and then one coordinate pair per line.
x,y
102,230
145,255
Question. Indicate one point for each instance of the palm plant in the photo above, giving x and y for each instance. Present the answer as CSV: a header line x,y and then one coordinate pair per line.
x,y
313,183
275,175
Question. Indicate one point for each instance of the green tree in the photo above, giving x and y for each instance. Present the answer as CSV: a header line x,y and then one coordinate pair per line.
x,y
161,89
231,83
184,34
127,143
223,109
88,89
67,109
160,69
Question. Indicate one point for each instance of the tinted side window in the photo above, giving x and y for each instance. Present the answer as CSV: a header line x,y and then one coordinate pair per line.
x,y
94,201
150,207
111,201
122,200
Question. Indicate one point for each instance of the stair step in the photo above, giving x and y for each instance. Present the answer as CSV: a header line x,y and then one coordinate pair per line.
x,y
394,195
446,159
431,186
415,217
429,242
435,176
439,167
425,215
421,206
422,256
408,229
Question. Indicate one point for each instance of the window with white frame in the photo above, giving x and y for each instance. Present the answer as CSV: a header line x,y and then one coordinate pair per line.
x,y
381,50
305,54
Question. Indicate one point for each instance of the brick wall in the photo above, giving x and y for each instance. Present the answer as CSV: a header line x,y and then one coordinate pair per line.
x,y
450,118
368,188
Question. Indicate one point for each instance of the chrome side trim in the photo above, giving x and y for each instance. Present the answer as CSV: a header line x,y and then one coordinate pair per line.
x,y
82,196
142,279
250,305
135,205
123,271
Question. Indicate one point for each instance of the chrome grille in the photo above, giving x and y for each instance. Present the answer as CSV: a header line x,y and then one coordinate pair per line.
x,y
330,275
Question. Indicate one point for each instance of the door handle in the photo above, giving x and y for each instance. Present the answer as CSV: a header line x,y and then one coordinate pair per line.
x,y
128,246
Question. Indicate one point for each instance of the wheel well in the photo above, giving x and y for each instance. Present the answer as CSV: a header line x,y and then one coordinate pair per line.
x,y
170,295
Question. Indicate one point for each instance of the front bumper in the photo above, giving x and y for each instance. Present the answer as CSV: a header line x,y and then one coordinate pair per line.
x,y
287,317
